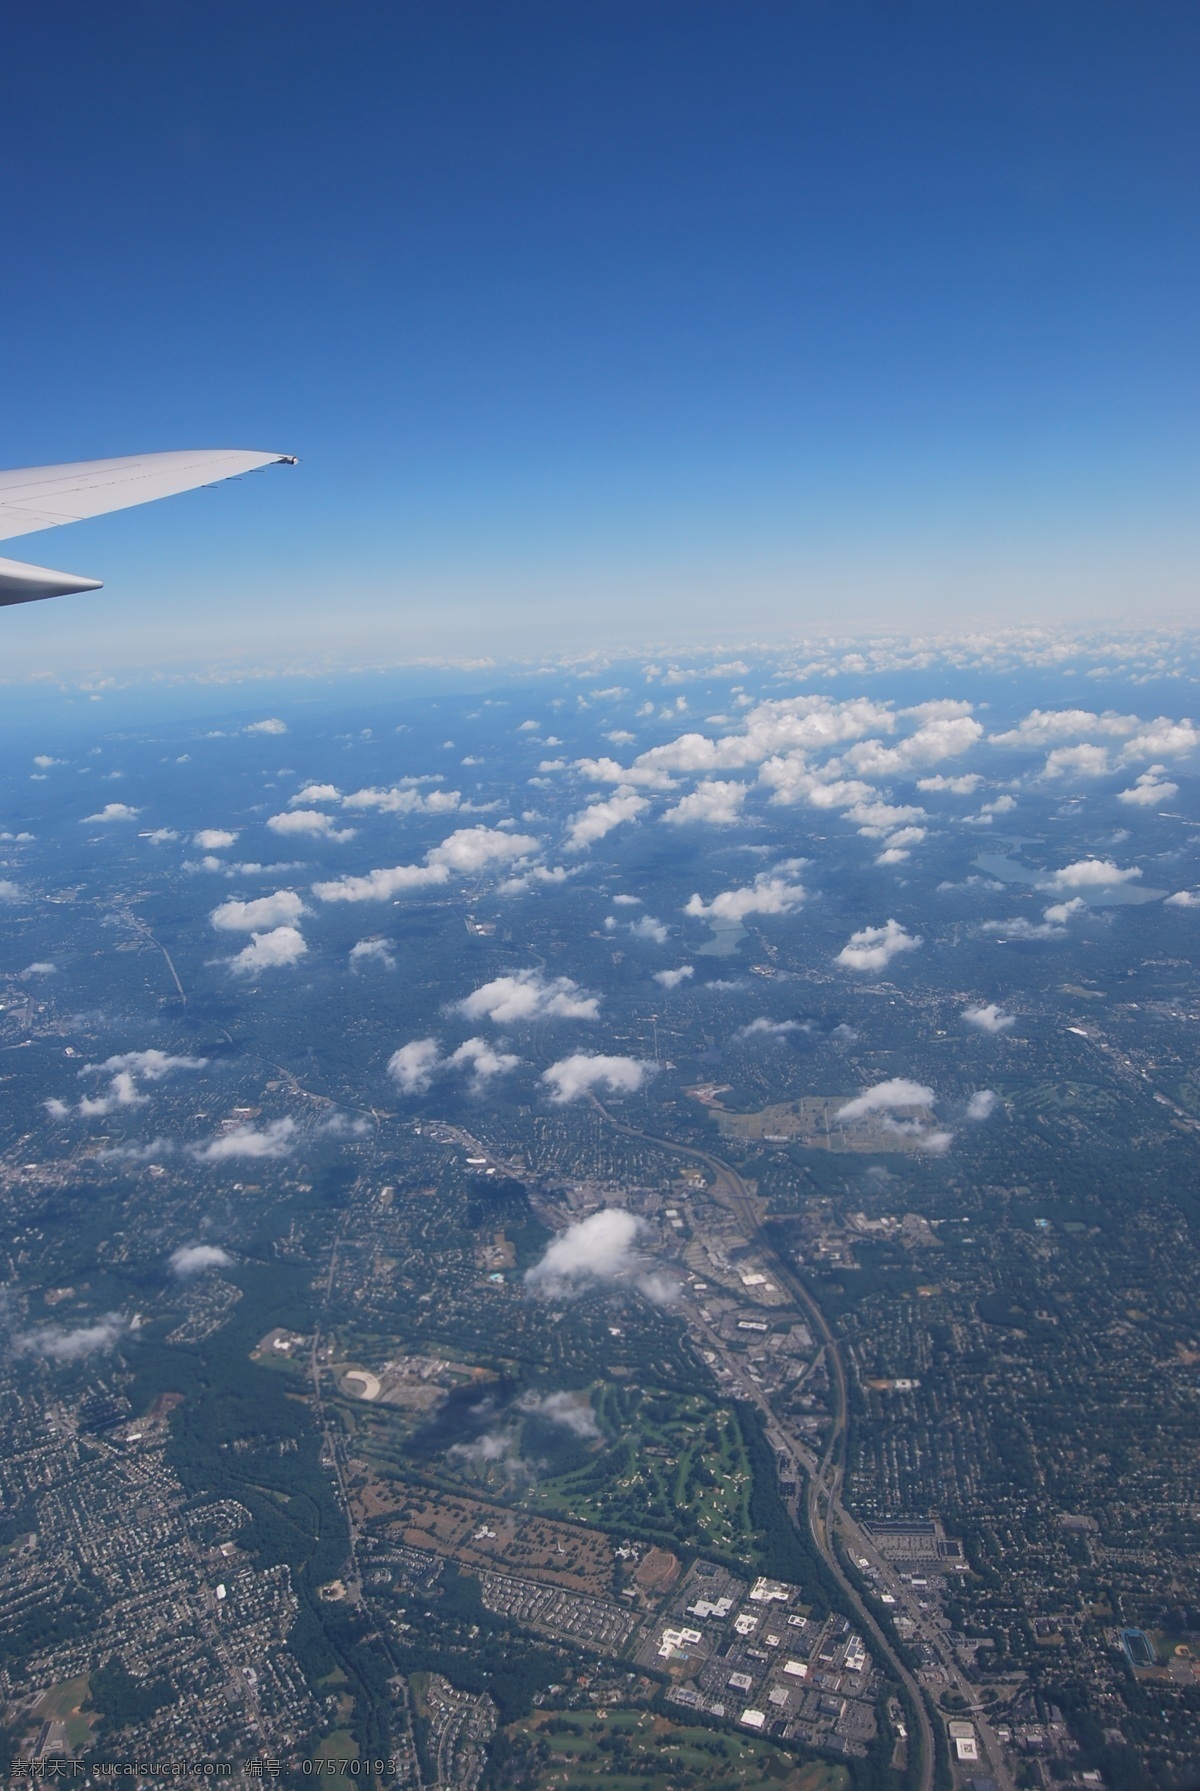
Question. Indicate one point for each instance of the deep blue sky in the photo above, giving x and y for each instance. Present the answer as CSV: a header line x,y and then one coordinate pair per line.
x,y
605,317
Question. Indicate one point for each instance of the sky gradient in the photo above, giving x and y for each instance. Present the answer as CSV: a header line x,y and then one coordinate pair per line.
x,y
603,322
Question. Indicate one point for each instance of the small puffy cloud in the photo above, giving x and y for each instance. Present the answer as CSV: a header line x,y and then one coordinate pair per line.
x,y
942,737
671,979
1090,873
598,1248
1042,727
570,1411
60,1343
473,849
871,948
537,875
887,1097
982,1103
988,1018
1077,761
151,1065
192,1259
213,839
280,909
413,1067
715,802
1183,898
276,950
381,886
952,786
1058,912
773,1029
574,1076
43,761
9,891
770,893
483,1062
627,901
308,820
315,793
1149,789
1162,739
372,951
528,995
272,725
41,967
647,927
161,836
113,811
403,799
274,1140
600,818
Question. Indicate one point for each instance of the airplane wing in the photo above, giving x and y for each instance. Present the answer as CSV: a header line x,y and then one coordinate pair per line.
x,y
43,497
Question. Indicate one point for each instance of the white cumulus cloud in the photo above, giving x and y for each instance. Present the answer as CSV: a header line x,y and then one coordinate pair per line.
x,y
770,893
113,811
988,1018
280,909
1183,898
714,801
60,1343
192,1259
982,1103
1078,761
528,995
886,1097
274,1140
214,839
372,951
600,818
309,820
871,948
413,1067
276,950
671,979
1090,873
598,1248
272,725
574,1076
1149,789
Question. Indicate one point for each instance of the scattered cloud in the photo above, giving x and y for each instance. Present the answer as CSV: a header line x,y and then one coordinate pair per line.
x,y
671,979
372,951
113,811
528,995
467,852
1090,873
770,893
192,1259
315,793
278,1139
60,1343
714,802
272,725
871,948
600,818
598,1248
1080,761
1183,898
570,1411
1162,739
982,1103
309,820
276,950
40,967
988,1018
647,927
952,786
764,1028
887,1097
281,908
413,1067
9,891
1150,789
212,839
574,1076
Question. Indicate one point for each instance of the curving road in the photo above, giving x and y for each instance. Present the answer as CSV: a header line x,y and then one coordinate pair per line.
x,y
824,1513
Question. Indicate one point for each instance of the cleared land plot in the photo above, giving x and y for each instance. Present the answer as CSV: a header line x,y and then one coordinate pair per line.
x,y
481,1535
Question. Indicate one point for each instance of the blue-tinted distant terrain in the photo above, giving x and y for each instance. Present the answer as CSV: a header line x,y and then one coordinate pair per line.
x,y
460,1098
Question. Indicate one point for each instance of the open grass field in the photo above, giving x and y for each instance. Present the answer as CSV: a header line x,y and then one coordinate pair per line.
x,y
623,1750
